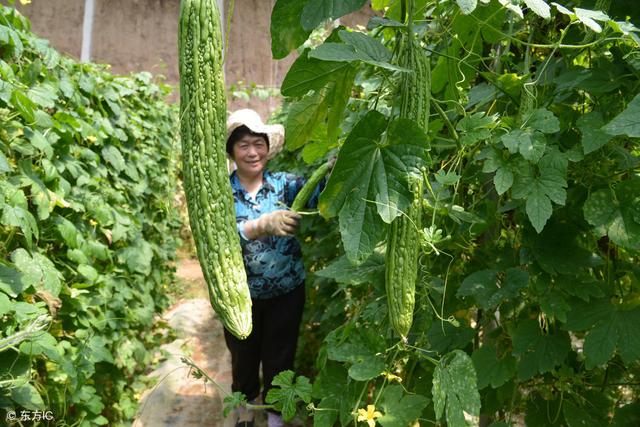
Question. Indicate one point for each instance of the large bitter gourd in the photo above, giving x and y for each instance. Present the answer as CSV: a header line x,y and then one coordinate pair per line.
x,y
206,181
403,238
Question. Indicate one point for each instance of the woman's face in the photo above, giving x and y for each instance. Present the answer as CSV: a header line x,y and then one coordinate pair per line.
x,y
250,155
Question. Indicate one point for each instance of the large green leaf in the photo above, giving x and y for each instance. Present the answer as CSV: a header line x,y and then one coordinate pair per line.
x,y
538,352
370,178
37,271
492,370
627,122
593,137
400,409
309,74
286,393
286,30
489,290
28,397
317,11
454,387
11,281
310,112
613,328
356,47
616,213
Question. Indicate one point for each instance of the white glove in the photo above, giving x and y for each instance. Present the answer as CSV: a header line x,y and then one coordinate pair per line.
x,y
276,223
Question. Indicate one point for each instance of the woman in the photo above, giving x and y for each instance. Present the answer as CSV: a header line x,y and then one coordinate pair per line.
x,y
272,257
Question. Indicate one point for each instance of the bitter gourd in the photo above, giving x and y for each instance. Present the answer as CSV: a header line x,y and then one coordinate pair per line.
x,y
206,181
307,189
403,238
401,263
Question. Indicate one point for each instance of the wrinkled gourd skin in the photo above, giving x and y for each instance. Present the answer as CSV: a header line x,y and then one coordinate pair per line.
x,y
403,238
206,181
401,264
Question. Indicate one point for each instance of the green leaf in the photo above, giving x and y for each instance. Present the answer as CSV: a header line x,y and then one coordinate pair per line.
x,y
489,289
286,31
448,178
539,7
113,156
309,113
454,388
400,409
11,281
310,74
616,329
503,180
533,148
444,337
342,271
538,352
28,397
98,350
340,52
371,177
317,11
5,304
593,137
538,207
68,232
514,139
90,273
467,6
17,216
627,416
42,343
4,164
475,127
615,213
43,95
24,105
366,368
543,120
491,370
233,401
137,257
286,394
589,18
37,271
627,122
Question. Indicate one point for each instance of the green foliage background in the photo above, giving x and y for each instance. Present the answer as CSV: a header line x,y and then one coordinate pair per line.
x,y
88,230
528,298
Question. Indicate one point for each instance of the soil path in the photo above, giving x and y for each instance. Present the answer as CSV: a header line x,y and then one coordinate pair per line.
x,y
179,400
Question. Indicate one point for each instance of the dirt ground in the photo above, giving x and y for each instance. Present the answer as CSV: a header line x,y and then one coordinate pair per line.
x,y
179,400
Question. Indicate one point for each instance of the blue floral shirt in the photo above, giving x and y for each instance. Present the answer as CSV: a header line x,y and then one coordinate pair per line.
x,y
273,264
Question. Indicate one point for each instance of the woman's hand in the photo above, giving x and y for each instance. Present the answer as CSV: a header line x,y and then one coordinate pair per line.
x,y
276,223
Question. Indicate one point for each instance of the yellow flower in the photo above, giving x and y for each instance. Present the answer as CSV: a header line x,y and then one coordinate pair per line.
x,y
369,415
25,1
392,377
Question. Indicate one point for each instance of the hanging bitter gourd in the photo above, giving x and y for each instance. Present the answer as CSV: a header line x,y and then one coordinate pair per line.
x,y
403,238
401,262
206,180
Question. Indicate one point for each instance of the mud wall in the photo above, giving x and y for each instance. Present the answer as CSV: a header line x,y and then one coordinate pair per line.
x,y
141,35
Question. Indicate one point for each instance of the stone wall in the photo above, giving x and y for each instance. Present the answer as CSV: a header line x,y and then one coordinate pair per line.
x,y
141,35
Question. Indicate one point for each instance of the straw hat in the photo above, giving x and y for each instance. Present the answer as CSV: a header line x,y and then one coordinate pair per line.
x,y
252,120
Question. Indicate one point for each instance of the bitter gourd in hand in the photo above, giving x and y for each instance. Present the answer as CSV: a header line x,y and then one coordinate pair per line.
x,y
307,189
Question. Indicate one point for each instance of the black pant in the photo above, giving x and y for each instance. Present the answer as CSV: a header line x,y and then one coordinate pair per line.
x,y
273,340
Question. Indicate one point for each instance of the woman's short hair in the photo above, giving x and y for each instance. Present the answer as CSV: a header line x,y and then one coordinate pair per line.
x,y
239,133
